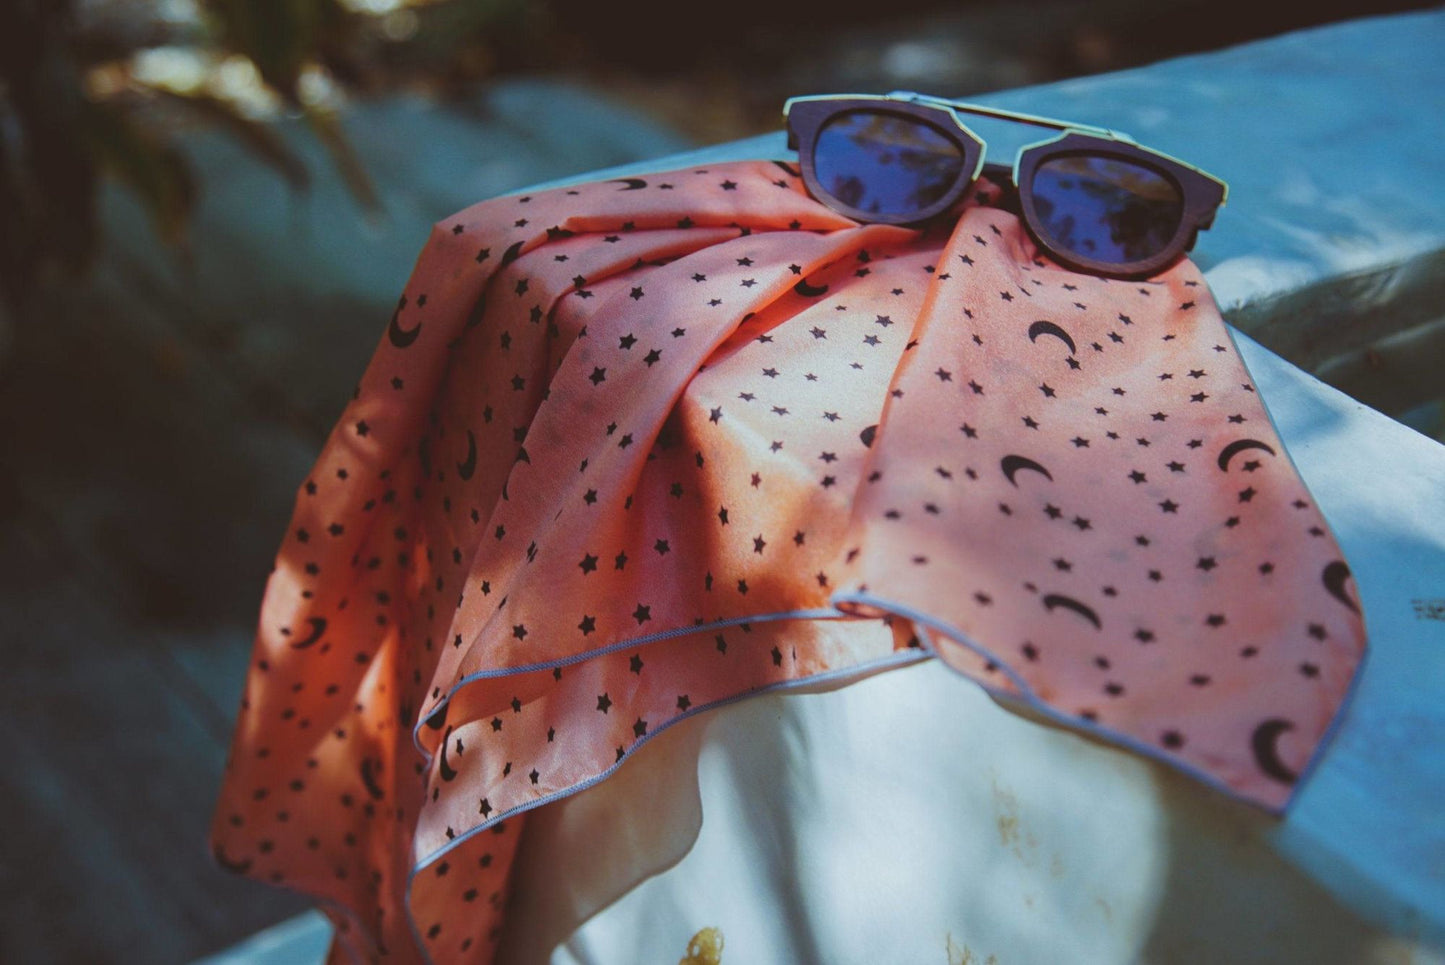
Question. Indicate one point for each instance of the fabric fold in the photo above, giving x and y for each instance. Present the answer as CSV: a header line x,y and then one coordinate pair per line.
x,y
638,448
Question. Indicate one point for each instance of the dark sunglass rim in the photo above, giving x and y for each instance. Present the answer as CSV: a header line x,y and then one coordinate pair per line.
x,y
1202,193
807,119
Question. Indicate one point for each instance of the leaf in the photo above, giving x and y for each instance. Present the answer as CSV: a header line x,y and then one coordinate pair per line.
x,y
279,36
260,138
353,172
140,158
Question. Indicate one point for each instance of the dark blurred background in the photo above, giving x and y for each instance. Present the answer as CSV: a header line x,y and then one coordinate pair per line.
x,y
205,207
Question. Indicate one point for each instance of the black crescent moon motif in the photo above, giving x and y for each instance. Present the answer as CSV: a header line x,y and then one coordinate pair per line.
x,y
237,867
1265,743
788,168
1012,464
867,435
446,769
1334,577
1238,446
1053,600
368,777
809,291
467,466
1049,328
633,184
401,337
437,719
512,253
318,627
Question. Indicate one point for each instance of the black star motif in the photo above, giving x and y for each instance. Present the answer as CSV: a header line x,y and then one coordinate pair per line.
x,y
604,703
589,563
642,614
635,664
639,728
588,624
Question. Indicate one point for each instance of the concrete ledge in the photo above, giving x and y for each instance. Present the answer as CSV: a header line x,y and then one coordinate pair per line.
x,y
1331,250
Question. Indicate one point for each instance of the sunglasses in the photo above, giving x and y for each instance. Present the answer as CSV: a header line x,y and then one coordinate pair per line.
x,y
1092,199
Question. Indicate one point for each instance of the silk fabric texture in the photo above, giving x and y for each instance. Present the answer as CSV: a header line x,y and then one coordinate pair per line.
x,y
636,448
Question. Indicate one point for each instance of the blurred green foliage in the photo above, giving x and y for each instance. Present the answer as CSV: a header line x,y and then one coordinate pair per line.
x,y
103,88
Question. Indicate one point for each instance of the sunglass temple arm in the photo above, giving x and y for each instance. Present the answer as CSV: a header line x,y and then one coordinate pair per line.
x,y
1015,116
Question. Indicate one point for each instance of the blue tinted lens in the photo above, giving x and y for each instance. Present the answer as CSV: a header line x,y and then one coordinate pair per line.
x,y
1105,209
888,165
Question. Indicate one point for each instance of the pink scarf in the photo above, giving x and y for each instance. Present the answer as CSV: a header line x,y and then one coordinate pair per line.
x,y
636,448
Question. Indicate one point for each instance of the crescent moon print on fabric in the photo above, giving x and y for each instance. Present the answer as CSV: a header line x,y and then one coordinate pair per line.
x,y
443,768
239,867
632,184
1334,576
467,466
1049,328
678,483
318,627
1053,600
1265,744
1012,464
399,336
368,778
1238,446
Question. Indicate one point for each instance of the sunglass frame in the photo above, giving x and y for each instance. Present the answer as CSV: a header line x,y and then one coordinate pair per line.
x,y
1201,193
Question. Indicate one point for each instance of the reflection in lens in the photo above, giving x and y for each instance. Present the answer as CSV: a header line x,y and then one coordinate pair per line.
x,y
886,164
1105,209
